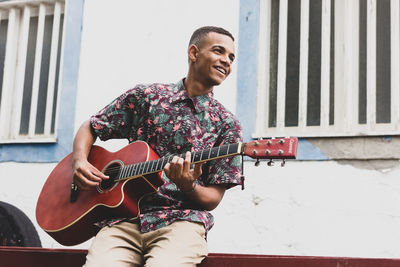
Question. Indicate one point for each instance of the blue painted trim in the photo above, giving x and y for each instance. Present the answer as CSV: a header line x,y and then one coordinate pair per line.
x,y
54,152
307,151
246,105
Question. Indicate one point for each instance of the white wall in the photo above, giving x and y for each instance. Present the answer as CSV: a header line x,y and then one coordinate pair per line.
x,y
306,208
132,42
311,208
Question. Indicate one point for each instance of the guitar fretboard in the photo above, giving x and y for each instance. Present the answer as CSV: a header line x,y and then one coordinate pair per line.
x,y
158,165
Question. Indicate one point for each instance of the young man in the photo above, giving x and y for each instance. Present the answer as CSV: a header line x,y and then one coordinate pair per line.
x,y
173,119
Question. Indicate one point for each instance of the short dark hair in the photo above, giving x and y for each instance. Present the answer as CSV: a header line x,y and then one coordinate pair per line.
x,y
199,34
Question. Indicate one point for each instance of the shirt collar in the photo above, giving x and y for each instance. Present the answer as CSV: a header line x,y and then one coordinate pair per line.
x,y
200,103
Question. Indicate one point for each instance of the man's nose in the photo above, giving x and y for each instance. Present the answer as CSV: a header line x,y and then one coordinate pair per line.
x,y
226,60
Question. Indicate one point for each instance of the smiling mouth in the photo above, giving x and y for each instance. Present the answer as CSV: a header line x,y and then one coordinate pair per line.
x,y
221,70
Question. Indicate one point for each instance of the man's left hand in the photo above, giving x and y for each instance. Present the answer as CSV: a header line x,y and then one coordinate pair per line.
x,y
178,170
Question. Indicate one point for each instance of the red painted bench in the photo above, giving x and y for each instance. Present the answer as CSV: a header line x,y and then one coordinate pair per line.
x,y
34,257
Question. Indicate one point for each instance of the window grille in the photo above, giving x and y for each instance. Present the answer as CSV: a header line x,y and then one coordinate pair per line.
x,y
30,54
329,68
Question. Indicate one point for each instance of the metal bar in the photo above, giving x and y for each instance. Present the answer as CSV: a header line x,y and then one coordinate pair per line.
x,y
263,67
339,69
52,68
60,70
20,76
37,68
395,63
282,45
9,73
303,75
371,64
325,62
351,62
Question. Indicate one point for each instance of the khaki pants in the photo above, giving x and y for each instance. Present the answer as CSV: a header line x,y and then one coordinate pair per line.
x,y
182,243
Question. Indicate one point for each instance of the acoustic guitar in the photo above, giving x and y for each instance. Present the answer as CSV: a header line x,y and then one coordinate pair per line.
x,y
134,171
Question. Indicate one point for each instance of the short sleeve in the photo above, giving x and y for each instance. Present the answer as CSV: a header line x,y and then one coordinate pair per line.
x,y
121,117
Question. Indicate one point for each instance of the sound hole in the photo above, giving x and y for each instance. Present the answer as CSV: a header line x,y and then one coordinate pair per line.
x,y
112,171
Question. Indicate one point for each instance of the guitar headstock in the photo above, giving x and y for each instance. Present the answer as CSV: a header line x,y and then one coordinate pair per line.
x,y
281,148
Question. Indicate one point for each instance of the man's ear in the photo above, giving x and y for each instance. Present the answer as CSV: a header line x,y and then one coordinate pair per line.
x,y
193,52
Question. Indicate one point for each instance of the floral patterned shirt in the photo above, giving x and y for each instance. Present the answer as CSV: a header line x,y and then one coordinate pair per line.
x,y
164,116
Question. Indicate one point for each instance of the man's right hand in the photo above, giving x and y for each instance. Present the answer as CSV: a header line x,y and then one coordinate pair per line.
x,y
86,176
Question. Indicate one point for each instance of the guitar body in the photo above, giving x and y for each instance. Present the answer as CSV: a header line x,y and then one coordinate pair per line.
x,y
71,223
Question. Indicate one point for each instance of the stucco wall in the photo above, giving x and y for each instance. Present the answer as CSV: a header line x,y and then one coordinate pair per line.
x,y
311,208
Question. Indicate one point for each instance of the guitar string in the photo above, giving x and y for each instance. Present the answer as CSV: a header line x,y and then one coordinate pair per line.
x,y
169,158
115,170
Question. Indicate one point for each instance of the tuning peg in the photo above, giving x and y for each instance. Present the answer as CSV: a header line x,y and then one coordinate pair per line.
x,y
257,163
283,163
256,143
270,163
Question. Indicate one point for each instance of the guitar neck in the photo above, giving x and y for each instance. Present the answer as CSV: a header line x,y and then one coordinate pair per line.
x,y
282,148
153,166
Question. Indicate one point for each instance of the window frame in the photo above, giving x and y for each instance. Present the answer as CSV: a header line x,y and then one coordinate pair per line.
x,y
19,15
48,151
254,19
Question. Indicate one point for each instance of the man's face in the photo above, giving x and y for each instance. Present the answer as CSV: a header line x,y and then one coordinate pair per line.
x,y
214,59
